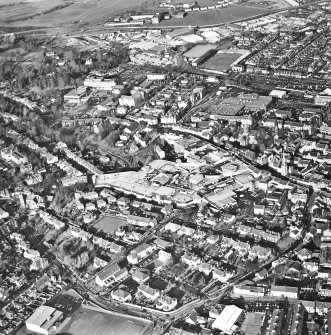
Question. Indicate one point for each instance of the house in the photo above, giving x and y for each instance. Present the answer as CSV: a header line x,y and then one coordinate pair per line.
x,y
212,239
39,264
140,253
148,292
90,195
259,209
42,282
105,276
187,231
191,260
141,221
222,276
260,252
295,232
166,303
141,276
322,307
121,294
214,313
31,254
3,214
262,274
120,275
165,257
304,254
162,244
310,306
90,206
99,263
172,227
115,248
310,266
205,268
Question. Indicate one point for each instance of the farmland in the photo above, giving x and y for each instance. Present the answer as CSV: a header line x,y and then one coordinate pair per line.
x,y
20,11
87,12
99,11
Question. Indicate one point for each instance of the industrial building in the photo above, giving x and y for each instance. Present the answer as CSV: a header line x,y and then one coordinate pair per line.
x,y
228,318
44,320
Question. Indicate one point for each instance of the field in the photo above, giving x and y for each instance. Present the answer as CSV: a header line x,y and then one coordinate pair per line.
x,y
89,11
99,11
109,224
20,10
221,61
225,15
270,4
92,321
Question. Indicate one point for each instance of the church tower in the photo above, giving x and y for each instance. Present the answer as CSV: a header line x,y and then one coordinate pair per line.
x,y
284,168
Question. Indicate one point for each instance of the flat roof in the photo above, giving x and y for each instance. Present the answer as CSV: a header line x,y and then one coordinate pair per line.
x,y
275,288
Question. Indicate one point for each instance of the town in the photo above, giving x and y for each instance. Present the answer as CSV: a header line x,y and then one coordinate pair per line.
x,y
168,180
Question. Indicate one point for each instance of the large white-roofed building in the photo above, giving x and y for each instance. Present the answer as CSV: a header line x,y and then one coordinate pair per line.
x,y
43,320
135,183
227,319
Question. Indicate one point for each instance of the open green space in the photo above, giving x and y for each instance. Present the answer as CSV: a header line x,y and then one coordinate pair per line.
x,y
92,321
109,224
216,16
221,61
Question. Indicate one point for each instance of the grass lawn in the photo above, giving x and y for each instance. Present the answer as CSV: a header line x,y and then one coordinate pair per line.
x,y
221,61
92,321
109,224
216,16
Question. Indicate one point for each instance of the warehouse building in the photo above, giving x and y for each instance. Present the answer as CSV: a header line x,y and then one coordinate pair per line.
x,y
228,318
44,320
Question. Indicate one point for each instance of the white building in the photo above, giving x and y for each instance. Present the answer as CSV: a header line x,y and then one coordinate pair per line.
x,y
43,319
148,292
227,319
121,295
284,291
246,290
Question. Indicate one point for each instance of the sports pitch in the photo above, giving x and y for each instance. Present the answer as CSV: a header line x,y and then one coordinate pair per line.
x,y
221,61
109,224
92,321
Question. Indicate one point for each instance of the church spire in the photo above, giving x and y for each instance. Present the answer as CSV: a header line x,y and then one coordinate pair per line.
x,y
284,169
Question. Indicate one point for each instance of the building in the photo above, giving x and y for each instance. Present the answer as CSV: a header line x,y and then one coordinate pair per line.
x,y
166,303
121,295
76,96
278,94
284,291
43,320
227,319
140,221
246,290
99,83
106,276
140,253
148,292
